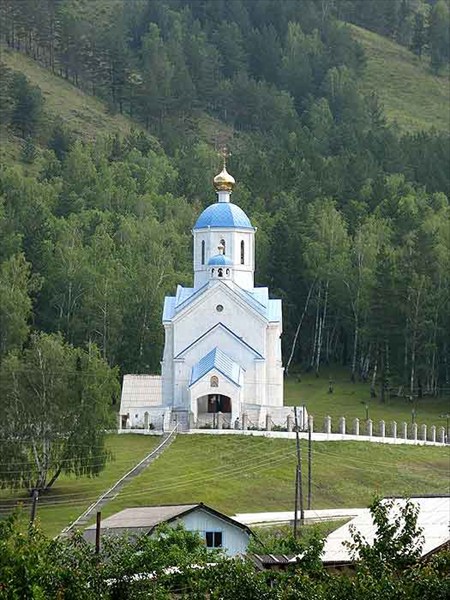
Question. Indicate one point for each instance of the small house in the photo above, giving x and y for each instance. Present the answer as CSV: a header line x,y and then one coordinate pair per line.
x,y
216,529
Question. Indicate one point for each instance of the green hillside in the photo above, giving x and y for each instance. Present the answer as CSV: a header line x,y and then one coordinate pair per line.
x,y
410,94
247,475
84,115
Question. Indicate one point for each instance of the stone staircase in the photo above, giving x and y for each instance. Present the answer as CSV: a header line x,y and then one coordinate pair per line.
x,y
180,419
110,494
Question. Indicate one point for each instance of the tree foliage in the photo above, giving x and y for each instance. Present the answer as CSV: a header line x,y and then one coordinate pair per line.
x,y
56,402
175,563
353,217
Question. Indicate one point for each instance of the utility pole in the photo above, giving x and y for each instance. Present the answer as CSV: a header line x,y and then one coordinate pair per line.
x,y
309,463
298,480
97,532
34,507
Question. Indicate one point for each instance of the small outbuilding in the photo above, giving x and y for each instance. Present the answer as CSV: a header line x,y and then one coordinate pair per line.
x,y
216,529
433,519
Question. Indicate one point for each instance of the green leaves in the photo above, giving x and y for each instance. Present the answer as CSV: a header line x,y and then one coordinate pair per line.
x,y
56,402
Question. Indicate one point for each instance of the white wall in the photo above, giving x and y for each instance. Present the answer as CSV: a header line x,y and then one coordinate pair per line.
x,y
202,315
234,539
242,274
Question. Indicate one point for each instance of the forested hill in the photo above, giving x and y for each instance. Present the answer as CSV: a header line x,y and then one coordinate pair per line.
x,y
352,214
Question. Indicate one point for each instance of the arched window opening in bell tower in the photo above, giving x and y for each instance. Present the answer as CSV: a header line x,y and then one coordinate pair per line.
x,y
222,243
203,252
242,252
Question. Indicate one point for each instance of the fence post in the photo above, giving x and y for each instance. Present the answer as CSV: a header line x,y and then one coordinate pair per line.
x,y
414,431
405,430
244,421
192,422
219,420
289,422
369,427
394,429
382,429
327,424
342,425
433,433
424,432
311,423
356,426
268,423
442,435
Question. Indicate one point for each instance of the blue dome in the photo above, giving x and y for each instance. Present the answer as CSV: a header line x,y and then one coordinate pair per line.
x,y
223,214
220,259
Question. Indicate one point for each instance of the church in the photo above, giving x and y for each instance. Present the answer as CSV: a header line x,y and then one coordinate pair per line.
x,y
222,354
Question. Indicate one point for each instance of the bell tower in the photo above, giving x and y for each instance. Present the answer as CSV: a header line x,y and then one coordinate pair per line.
x,y
224,226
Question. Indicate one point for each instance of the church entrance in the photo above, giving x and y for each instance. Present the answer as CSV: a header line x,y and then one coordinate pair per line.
x,y
219,403
210,406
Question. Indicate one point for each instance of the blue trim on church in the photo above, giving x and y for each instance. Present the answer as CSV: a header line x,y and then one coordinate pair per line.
x,y
216,359
220,260
223,215
220,324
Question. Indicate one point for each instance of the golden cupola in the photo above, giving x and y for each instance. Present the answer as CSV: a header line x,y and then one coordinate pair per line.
x,y
224,182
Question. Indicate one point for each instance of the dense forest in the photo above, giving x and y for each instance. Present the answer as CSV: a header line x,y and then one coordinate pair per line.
x,y
352,214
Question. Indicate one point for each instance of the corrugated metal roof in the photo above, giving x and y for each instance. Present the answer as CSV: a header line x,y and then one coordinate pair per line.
x,y
257,298
216,359
223,215
433,518
140,390
169,308
144,517
274,311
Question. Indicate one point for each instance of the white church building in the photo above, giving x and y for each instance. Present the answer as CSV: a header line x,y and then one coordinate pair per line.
x,y
222,364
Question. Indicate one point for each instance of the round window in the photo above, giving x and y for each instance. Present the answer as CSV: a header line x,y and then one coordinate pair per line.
x,y
219,308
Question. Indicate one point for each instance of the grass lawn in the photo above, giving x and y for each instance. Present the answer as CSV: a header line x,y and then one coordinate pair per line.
x,y
71,496
410,94
245,474
349,400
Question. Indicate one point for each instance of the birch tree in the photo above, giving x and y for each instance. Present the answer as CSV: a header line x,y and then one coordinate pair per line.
x,y
56,406
365,245
326,247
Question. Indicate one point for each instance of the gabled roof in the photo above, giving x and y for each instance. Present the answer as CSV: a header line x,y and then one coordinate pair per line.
x,y
146,518
216,359
256,298
229,331
141,390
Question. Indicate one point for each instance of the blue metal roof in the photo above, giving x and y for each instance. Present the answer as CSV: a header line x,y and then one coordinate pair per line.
x,y
220,259
216,359
258,298
223,214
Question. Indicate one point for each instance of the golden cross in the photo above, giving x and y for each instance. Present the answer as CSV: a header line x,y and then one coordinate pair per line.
x,y
224,153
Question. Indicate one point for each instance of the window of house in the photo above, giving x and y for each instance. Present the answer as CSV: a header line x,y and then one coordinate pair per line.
x,y
242,252
203,252
213,539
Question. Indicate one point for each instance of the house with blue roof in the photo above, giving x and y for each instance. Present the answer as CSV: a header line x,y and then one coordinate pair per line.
x,y
222,352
